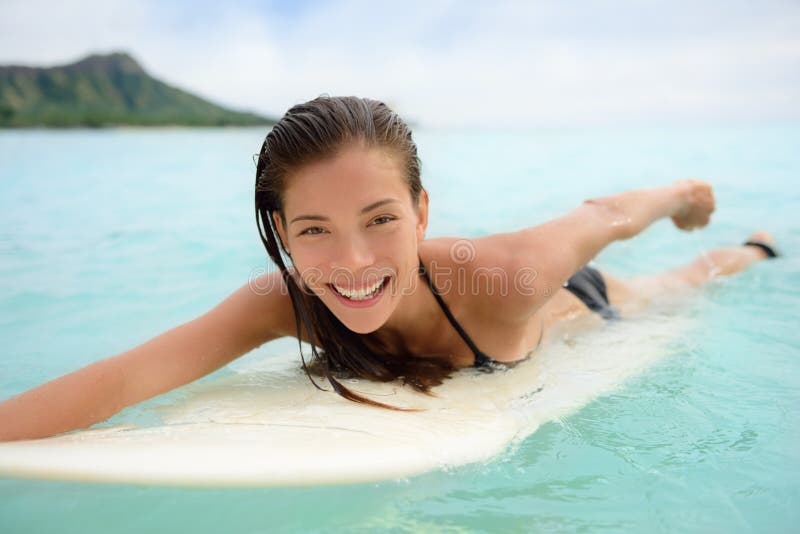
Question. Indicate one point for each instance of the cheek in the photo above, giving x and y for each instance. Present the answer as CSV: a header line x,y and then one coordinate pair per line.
x,y
308,263
397,243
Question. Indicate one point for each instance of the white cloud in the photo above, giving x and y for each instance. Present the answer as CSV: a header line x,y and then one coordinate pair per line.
x,y
449,63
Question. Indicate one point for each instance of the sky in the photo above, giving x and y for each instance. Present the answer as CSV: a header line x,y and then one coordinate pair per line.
x,y
446,63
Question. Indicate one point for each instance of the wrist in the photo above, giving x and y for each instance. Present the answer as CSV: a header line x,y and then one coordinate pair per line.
x,y
680,193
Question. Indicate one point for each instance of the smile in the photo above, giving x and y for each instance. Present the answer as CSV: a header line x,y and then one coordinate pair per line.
x,y
364,296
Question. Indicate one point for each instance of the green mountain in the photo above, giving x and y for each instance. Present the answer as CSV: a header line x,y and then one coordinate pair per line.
x,y
104,90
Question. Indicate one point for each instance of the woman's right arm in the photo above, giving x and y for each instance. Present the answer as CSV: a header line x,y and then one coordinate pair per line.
x,y
256,313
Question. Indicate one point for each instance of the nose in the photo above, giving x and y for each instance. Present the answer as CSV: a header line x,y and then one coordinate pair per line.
x,y
353,253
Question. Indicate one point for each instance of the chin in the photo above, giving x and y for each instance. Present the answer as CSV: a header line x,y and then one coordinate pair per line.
x,y
362,329
360,322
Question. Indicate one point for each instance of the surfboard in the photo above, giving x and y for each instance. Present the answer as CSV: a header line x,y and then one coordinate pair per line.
x,y
266,424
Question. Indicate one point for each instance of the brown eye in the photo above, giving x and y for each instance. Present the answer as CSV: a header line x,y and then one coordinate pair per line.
x,y
314,230
383,219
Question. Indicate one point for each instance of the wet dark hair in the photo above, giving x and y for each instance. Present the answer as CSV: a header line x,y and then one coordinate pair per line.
x,y
308,133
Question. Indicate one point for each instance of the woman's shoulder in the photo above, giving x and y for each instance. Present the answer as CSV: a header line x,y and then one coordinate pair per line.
x,y
491,253
483,274
265,303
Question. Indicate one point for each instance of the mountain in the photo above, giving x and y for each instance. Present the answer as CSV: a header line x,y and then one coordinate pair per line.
x,y
105,90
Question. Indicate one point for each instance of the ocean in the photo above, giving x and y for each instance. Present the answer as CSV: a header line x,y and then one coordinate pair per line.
x,y
110,237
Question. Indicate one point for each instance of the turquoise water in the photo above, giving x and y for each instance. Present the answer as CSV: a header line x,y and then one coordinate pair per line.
x,y
108,238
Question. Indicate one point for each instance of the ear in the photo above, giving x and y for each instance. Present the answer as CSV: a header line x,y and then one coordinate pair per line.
x,y
276,218
422,215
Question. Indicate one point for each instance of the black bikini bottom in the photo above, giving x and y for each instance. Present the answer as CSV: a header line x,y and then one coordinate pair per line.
x,y
589,286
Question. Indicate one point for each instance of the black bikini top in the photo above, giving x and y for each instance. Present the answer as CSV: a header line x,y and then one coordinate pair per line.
x,y
481,359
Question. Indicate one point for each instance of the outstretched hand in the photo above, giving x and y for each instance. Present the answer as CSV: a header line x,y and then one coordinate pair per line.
x,y
699,204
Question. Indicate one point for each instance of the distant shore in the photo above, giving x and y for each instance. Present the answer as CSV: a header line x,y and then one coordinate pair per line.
x,y
106,91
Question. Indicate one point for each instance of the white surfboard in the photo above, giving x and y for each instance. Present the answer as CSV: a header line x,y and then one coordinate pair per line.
x,y
268,426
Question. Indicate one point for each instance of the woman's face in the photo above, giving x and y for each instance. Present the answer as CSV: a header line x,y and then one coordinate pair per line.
x,y
352,231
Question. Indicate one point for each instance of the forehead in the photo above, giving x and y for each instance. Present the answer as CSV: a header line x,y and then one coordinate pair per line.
x,y
355,175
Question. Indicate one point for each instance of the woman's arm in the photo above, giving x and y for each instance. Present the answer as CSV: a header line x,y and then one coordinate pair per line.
x,y
581,234
689,203
245,320
552,252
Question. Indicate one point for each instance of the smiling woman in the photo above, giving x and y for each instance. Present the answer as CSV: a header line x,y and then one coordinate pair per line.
x,y
338,180
341,210
357,250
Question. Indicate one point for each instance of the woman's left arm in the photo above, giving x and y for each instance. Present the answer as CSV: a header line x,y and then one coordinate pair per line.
x,y
555,250
689,203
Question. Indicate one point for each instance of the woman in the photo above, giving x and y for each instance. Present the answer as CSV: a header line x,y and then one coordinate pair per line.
x,y
342,212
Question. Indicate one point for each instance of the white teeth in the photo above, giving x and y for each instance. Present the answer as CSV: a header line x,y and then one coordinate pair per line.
x,y
361,294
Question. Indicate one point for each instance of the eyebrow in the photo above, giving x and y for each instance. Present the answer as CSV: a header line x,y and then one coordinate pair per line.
x,y
364,210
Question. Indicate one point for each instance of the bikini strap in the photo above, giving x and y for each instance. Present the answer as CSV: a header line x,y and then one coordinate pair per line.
x,y
481,359
771,252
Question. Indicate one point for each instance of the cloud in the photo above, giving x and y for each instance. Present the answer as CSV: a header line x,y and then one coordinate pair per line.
x,y
447,63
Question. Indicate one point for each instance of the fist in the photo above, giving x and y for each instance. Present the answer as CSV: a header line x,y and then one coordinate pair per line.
x,y
698,204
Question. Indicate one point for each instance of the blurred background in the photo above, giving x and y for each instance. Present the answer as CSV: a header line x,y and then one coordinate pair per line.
x,y
445,63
